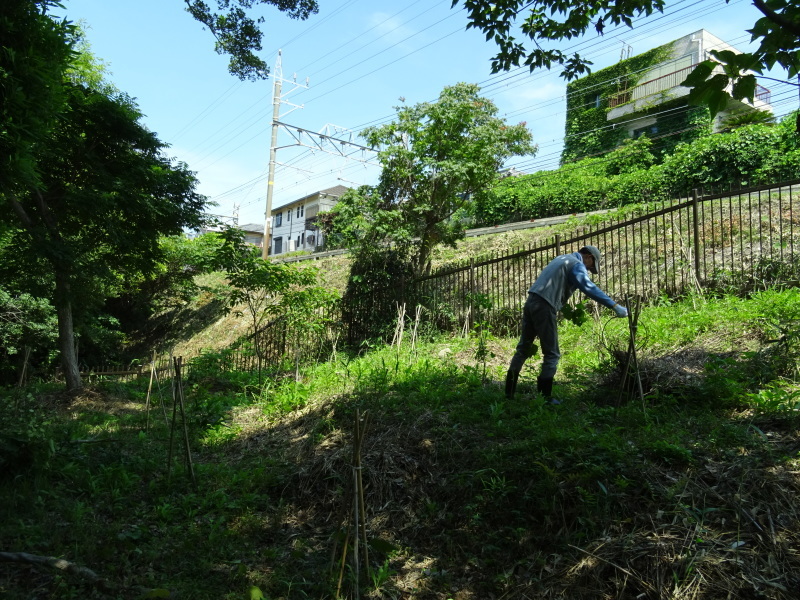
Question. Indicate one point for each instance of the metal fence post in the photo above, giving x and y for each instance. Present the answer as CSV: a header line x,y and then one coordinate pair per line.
x,y
696,227
471,293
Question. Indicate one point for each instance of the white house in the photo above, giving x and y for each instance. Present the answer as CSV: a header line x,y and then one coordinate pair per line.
x,y
294,225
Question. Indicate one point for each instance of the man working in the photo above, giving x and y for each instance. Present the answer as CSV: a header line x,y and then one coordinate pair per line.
x,y
551,290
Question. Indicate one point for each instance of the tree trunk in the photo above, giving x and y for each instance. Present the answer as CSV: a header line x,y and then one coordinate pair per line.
x,y
423,266
66,333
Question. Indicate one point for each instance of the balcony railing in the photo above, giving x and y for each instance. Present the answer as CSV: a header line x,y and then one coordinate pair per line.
x,y
650,87
667,82
763,94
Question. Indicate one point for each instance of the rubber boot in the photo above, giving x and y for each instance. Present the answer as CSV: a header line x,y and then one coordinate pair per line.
x,y
511,383
544,385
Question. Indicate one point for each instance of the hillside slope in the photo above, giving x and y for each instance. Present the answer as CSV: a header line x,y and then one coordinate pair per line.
x,y
690,493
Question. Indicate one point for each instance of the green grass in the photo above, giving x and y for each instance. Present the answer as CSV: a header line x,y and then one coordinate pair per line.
x,y
467,494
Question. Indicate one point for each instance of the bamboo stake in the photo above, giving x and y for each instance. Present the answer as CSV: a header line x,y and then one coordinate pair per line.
x,y
189,464
633,325
149,390
400,327
24,372
631,370
172,428
359,511
341,568
416,327
356,535
362,504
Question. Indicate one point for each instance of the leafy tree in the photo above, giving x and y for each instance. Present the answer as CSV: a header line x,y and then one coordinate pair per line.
x,y
743,117
237,33
27,324
435,157
632,155
105,195
34,52
171,283
306,312
264,289
542,21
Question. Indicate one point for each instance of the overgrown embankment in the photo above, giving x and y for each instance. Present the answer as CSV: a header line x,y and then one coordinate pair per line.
x,y
691,493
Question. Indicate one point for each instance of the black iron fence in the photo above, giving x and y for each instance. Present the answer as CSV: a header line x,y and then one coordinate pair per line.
x,y
735,241
732,241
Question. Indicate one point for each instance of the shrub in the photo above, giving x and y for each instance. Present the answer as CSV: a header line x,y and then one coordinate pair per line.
x,y
721,160
634,187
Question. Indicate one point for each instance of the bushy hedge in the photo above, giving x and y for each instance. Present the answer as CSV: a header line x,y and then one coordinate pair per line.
x,y
722,160
752,155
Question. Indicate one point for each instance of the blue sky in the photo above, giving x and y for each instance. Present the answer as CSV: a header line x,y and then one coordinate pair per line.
x,y
361,57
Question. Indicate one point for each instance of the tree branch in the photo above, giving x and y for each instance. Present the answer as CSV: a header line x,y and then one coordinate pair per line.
x,y
27,222
55,563
72,569
777,18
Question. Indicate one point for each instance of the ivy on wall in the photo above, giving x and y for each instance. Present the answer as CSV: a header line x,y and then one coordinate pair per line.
x,y
681,124
587,130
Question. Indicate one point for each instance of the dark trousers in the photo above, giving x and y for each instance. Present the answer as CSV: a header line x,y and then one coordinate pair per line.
x,y
538,321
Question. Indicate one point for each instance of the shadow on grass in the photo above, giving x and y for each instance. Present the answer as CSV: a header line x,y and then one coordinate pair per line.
x,y
471,495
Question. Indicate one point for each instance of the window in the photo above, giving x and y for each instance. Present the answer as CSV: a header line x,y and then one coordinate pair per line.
x,y
279,219
648,131
278,245
288,215
303,239
297,242
300,211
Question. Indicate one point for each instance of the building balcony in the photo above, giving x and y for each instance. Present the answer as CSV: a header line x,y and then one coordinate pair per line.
x,y
646,94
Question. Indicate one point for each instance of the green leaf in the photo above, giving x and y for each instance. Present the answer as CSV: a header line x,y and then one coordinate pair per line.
x,y
745,87
700,73
256,593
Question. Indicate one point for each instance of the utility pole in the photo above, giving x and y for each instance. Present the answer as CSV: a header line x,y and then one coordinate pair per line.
x,y
277,100
322,141
276,106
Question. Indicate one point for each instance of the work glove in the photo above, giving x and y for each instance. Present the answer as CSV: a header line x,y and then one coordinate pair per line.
x,y
620,310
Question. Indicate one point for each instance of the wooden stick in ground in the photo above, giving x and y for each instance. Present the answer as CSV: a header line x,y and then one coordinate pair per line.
x,y
172,427
149,390
341,567
626,370
24,371
416,327
397,340
359,511
356,511
190,466
634,325
362,504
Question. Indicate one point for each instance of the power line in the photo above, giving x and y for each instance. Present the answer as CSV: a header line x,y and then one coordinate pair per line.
x,y
494,82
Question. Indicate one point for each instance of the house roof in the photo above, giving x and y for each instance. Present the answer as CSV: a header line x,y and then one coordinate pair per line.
x,y
335,191
252,227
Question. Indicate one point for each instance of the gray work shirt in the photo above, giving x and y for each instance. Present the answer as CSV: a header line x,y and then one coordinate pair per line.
x,y
562,276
